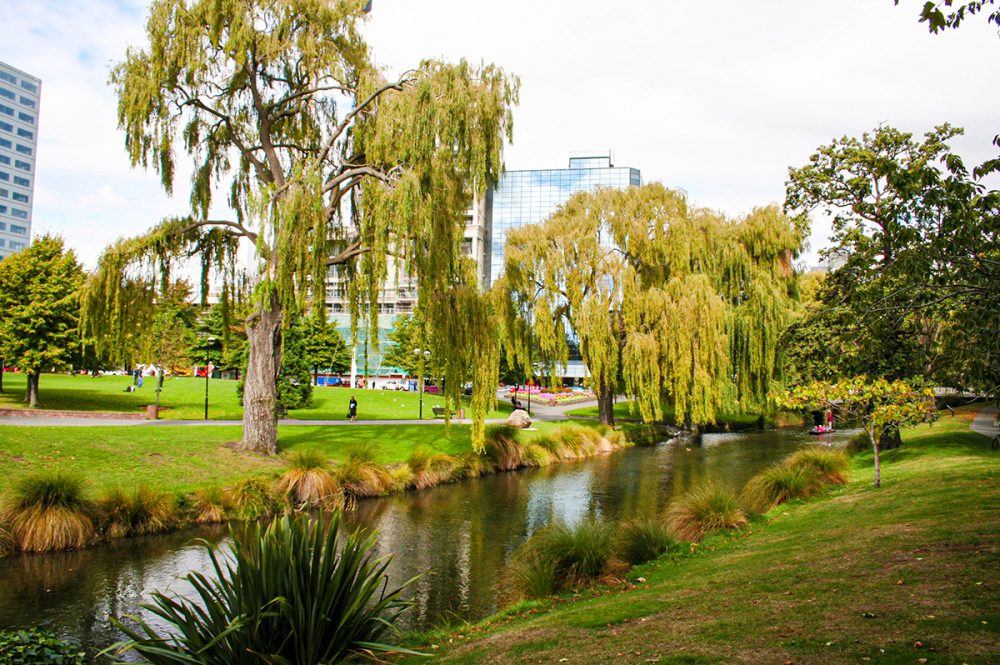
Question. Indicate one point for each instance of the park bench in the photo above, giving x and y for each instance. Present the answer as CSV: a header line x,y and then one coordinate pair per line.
x,y
280,411
438,411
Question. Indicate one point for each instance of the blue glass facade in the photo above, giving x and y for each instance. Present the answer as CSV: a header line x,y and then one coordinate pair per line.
x,y
18,148
529,197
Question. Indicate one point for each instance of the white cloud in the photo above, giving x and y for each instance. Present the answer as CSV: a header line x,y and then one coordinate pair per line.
x,y
718,99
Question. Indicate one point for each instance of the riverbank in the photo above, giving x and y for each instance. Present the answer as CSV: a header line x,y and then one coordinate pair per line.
x,y
907,572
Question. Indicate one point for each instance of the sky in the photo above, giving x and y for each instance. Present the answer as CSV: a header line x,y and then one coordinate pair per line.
x,y
716,98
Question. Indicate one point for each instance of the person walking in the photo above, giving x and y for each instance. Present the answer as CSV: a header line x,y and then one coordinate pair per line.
x,y
352,410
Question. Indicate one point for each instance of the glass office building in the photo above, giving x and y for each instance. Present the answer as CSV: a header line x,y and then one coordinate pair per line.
x,y
529,197
19,105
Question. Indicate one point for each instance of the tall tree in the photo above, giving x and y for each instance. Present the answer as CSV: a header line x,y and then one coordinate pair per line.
x,y
324,346
919,245
327,165
954,13
39,298
668,302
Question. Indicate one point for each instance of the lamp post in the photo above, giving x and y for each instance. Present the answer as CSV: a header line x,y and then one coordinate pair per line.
x,y
208,349
423,356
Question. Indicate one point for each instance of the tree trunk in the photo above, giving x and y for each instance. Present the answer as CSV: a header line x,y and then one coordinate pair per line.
x,y
606,405
33,389
878,469
260,390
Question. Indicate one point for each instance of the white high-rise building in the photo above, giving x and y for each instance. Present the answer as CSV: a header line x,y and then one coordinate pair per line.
x,y
20,95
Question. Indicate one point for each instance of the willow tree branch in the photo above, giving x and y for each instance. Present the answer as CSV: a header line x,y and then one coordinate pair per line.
x,y
241,231
349,118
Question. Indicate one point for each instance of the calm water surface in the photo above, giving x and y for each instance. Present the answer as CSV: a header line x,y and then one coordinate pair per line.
x,y
457,537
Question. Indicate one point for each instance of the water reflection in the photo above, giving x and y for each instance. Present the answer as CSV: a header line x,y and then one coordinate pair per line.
x,y
455,537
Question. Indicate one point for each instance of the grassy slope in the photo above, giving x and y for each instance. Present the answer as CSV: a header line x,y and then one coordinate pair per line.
x,y
922,554
181,458
183,398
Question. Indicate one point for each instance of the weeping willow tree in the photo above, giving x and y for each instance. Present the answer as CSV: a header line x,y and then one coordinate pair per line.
x,y
670,303
328,168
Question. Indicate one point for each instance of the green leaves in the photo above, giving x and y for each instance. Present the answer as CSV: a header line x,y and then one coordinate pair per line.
x,y
299,592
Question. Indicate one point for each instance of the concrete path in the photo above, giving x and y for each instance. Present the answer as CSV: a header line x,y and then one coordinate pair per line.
x,y
983,422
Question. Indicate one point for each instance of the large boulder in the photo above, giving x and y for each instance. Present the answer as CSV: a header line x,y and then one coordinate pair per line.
x,y
519,419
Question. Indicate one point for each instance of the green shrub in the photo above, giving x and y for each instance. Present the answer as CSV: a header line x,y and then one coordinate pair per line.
x,y
704,509
643,540
48,512
536,456
140,512
251,498
298,592
778,484
502,447
209,505
474,465
830,465
308,483
575,555
37,647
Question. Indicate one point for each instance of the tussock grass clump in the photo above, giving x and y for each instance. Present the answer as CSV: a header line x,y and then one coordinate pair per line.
x,y
251,499
642,540
502,447
402,477
568,555
778,484
431,469
6,541
474,465
533,576
617,439
536,456
705,509
209,505
48,512
361,476
308,483
830,465
137,513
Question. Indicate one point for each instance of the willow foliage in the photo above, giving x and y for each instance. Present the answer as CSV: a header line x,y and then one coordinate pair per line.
x,y
329,169
669,302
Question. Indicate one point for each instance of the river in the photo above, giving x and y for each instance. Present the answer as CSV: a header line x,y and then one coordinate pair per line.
x,y
456,537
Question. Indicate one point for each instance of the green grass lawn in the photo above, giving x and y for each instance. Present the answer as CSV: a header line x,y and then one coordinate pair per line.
x,y
183,398
182,458
907,572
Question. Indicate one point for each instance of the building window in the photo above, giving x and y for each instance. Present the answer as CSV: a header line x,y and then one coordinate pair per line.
x,y
4,176
4,143
4,193
3,226
23,182
9,94
7,127
26,117
22,198
20,214
23,133
26,101
23,149
2,242
30,87
16,228
4,159
10,78
6,110
3,210
16,245
24,166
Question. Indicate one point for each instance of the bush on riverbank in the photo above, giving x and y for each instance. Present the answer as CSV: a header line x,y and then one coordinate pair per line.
x,y
210,505
307,483
707,508
559,556
641,540
48,512
800,476
297,592
136,513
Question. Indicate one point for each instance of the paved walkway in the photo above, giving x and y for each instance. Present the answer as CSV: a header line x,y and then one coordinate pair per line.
x,y
538,412
983,422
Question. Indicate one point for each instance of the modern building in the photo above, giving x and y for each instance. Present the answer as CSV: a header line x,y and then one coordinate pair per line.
x,y
19,105
530,197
